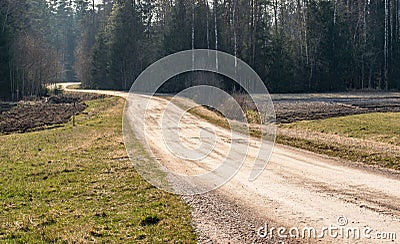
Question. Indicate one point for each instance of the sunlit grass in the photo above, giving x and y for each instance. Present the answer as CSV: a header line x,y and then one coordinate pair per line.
x,y
75,184
368,130
383,127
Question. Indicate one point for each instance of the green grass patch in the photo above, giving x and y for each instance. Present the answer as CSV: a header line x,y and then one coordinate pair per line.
x,y
375,128
76,184
383,127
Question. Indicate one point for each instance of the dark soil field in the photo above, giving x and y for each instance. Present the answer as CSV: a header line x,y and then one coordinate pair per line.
x,y
36,113
292,108
355,127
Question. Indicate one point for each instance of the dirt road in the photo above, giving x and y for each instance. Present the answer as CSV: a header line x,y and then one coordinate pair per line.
x,y
297,189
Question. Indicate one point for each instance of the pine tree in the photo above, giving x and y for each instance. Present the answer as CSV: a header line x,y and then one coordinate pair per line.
x,y
125,28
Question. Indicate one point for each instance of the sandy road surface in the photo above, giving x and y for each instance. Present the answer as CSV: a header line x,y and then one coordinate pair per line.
x,y
297,189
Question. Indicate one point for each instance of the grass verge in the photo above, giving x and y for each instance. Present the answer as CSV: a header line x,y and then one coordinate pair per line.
x,y
364,155
373,139
383,127
75,184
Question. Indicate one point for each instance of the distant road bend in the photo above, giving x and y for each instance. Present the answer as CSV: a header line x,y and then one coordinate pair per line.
x,y
297,189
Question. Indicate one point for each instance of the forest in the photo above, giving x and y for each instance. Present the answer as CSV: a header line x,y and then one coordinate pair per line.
x,y
294,45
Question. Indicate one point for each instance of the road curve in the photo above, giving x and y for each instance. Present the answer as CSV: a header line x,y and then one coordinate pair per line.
x,y
297,189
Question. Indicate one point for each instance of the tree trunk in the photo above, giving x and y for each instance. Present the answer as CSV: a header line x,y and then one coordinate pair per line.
x,y
5,19
208,25
216,33
306,36
235,33
335,12
386,46
93,9
255,20
276,17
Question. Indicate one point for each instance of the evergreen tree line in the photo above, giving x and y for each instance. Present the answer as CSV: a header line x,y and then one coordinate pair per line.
x,y
294,45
